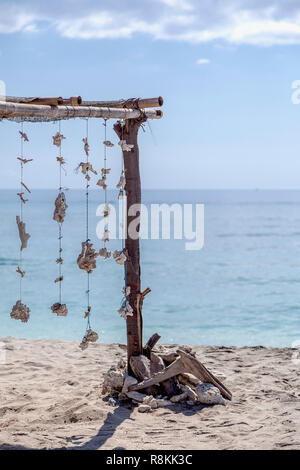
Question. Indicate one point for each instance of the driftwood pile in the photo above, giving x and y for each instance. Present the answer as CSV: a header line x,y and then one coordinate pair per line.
x,y
163,378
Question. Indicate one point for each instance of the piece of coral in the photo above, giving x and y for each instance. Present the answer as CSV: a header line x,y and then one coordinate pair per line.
x,y
57,139
60,309
87,258
20,312
24,237
119,257
90,337
104,253
60,208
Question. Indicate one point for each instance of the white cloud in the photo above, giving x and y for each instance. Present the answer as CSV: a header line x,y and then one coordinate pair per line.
x,y
256,22
202,61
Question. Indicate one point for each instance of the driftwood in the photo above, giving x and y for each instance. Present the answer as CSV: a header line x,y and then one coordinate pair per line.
x,y
60,309
20,312
40,112
21,197
86,146
184,363
51,101
19,271
24,186
169,386
25,160
60,208
131,103
151,341
24,136
140,366
87,258
24,237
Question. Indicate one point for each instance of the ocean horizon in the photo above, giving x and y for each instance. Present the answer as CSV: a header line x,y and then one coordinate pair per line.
x,y
241,289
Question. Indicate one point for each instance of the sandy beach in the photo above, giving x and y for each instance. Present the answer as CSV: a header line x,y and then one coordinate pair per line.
x,y
51,398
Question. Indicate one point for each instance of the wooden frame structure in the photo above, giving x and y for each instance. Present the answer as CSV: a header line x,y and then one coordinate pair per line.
x,y
135,111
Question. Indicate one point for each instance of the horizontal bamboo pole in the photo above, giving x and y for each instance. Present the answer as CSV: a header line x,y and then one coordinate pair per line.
x,y
131,103
18,110
52,101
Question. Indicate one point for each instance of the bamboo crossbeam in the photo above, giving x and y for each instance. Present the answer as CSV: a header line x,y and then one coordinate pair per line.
x,y
18,110
51,101
131,103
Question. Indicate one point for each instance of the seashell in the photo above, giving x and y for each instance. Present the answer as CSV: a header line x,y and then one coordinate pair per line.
x,y
108,143
60,309
20,312
85,167
57,139
102,182
119,257
125,147
60,208
104,253
86,146
105,237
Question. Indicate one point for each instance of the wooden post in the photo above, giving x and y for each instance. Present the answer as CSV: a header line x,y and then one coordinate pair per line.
x,y
129,132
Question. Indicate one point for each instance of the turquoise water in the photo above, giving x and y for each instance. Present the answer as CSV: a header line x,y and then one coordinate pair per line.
x,y
242,288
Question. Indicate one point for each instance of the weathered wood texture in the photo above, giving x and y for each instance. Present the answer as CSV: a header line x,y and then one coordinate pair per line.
x,y
185,363
150,344
131,103
52,101
10,110
129,132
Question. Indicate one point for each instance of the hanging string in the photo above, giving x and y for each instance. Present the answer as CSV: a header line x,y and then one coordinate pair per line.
x,y
59,215
20,311
87,227
21,203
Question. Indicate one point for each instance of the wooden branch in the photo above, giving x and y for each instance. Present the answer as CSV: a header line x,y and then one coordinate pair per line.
x,y
11,110
131,103
52,101
150,344
184,363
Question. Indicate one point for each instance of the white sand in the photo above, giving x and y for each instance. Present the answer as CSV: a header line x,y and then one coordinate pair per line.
x,y
50,397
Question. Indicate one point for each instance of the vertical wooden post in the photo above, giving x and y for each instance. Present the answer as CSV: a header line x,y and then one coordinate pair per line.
x,y
129,133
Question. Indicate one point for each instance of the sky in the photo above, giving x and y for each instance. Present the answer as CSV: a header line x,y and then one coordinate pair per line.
x,y
224,68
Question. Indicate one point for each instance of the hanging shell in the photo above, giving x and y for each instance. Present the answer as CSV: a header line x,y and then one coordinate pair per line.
x,y
57,139
90,337
127,292
119,257
104,253
102,182
125,147
105,171
126,310
122,182
86,146
87,258
20,312
85,167
60,309
60,208
108,143
105,237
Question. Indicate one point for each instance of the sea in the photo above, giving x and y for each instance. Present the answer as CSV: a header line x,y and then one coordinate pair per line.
x,y
241,289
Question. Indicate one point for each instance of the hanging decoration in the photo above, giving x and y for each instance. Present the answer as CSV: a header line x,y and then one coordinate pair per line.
x,y
20,311
87,257
104,252
59,216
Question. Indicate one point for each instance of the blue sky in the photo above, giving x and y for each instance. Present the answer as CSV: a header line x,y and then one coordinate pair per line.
x,y
225,74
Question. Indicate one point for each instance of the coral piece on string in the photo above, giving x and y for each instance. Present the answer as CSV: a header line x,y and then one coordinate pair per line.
x,y
60,309
57,139
20,312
